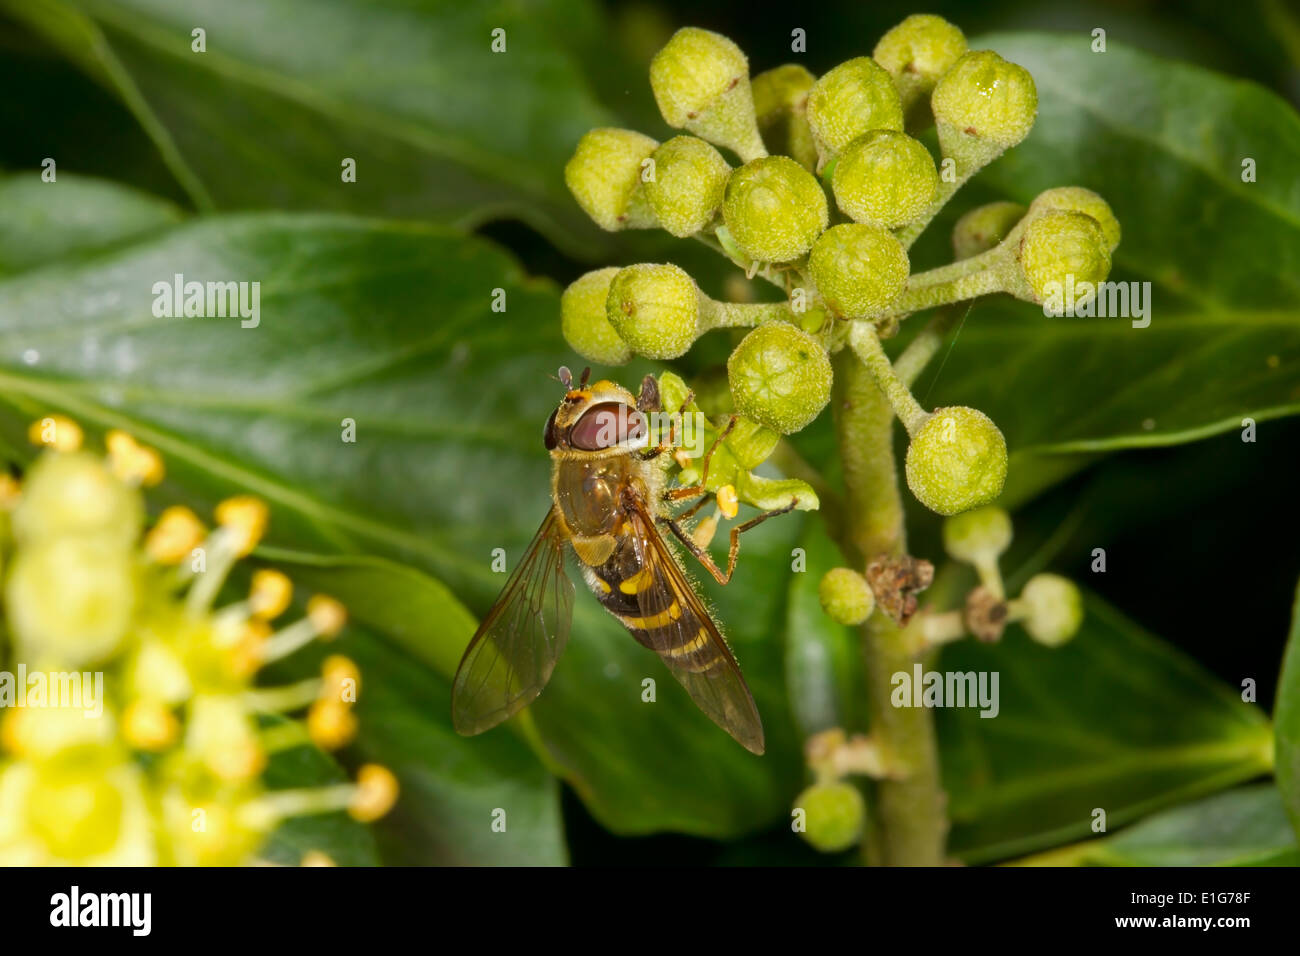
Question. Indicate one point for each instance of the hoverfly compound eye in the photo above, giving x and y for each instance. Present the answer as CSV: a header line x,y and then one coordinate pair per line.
x,y
549,438
609,424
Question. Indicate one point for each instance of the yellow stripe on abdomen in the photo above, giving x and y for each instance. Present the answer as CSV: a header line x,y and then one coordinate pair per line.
x,y
672,613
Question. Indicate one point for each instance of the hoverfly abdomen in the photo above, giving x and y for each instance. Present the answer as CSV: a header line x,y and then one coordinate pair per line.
x,y
635,590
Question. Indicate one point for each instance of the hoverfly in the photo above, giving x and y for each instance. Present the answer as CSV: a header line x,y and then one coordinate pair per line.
x,y
608,504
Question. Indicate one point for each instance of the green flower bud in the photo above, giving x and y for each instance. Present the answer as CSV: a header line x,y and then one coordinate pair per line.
x,y
780,377
1053,609
856,96
918,51
774,209
977,535
604,175
884,177
1078,199
585,323
858,268
74,493
1060,248
700,80
654,309
690,177
834,815
982,106
984,227
956,461
70,599
780,96
846,597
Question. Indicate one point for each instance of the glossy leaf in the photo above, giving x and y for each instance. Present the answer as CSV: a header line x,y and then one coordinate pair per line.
x,y
440,126
1244,827
71,216
1115,720
1287,722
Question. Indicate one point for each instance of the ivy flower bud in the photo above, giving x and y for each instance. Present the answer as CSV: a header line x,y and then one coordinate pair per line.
x,y
604,175
956,461
586,325
700,80
858,268
984,227
70,598
884,177
834,815
856,96
983,106
654,309
918,52
978,535
774,209
780,96
74,493
1061,249
780,377
1053,609
1078,199
690,177
846,597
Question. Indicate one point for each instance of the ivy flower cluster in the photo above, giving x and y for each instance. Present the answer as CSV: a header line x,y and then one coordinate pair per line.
x,y
140,735
820,185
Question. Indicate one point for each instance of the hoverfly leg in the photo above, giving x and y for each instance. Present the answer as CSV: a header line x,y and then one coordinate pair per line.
x,y
680,494
705,558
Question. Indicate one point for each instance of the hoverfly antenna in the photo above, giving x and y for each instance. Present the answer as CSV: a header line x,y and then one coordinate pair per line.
x,y
565,376
586,374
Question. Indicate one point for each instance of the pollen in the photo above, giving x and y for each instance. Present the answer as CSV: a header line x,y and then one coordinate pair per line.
x,y
10,491
326,614
245,517
270,594
331,724
132,462
728,503
177,533
149,725
376,793
57,432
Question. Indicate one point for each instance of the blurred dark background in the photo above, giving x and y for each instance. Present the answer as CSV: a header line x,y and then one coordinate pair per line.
x,y
1231,535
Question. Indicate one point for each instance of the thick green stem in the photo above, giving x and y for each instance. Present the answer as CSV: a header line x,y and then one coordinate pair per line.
x,y
909,821
732,315
866,345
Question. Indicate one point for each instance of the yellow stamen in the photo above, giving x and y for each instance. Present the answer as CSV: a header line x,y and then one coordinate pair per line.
x,y
326,615
174,537
682,458
316,858
728,503
249,649
244,518
56,431
149,725
10,491
341,679
331,725
376,793
270,594
131,461
705,530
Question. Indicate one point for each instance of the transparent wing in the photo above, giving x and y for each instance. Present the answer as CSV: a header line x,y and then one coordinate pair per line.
x,y
681,631
511,656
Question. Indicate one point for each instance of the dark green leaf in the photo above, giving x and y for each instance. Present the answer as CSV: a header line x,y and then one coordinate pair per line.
x,y
1115,720
1287,721
71,216
440,126
1245,827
